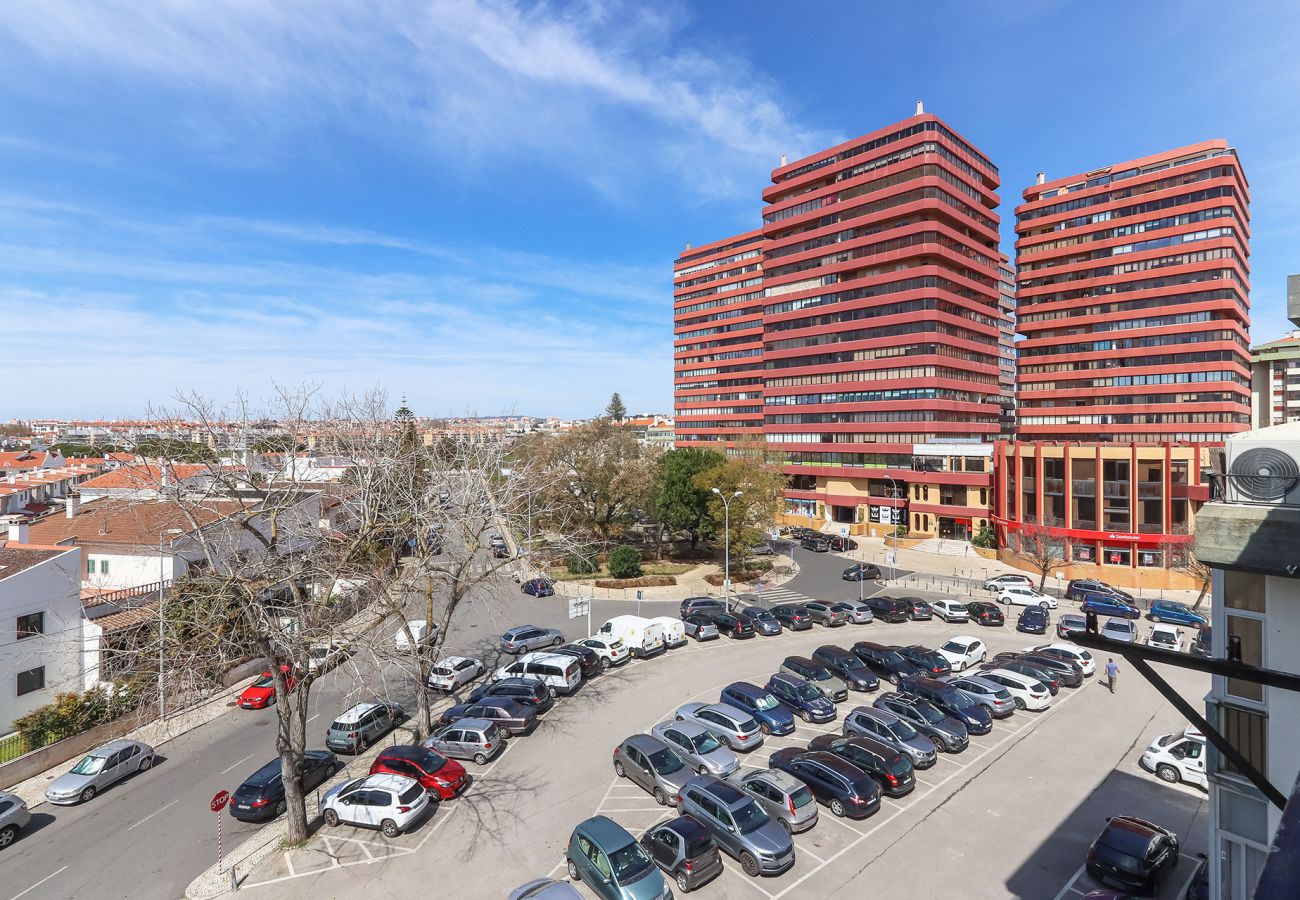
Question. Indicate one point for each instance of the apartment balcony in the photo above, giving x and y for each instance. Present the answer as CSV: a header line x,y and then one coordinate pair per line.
x,y
1116,488
1151,490
1083,487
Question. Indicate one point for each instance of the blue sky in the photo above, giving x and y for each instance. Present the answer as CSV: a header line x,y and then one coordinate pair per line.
x,y
477,204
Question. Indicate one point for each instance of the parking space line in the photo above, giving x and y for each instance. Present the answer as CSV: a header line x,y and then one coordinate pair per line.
x,y
838,820
37,884
745,878
808,852
605,809
1069,885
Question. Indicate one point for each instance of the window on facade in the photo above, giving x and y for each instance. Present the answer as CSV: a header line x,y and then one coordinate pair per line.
x,y
90,567
1247,732
1151,559
103,567
31,625
984,497
1250,630
31,680
1243,590
1084,553
1114,555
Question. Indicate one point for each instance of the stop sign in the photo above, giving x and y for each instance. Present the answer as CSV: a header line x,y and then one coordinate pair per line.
x,y
220,800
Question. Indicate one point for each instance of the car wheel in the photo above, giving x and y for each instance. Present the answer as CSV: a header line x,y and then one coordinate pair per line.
x,y
363,745
1168,773
281,808
1043,604
893,679
550,692
618,769
938,744
7,836
784,824
749,864
390,829
837,808
660,797
604,664
702,770
683,883
1155,618
766,729
805,715
573,872
481,758
557,642
88,794
145,764
331,818
1020,704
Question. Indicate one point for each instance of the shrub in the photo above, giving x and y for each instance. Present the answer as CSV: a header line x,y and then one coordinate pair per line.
x,y
985,538
625,562
581,563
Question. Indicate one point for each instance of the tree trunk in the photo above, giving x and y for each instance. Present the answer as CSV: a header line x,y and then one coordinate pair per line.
x,y
695,539
1200,598
291,712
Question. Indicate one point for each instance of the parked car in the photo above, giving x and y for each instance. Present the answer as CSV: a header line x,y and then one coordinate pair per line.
x,y
650,763
545,889
983,612
947,734
739,825
930,662
1078,587
815,544
886,662
999,582
523,638
510,716
772,717
14,817
1069,625
991,695
611,650
1165,637
824,614
785,799
451,672
816,674
1176,614
1070,673
1015,595
1012,663
698,747
700,627
734,727
391,803
99,769
766,548
1178,757
801,698
792,616
261,795
436,773
857,611
476,739
892,769
674,631
893,731
325,655
950,610
951,701
918,610
1109,605
861,572
705,605
847,666
889,609
1070,653
261,693
588,659
1119,630
1203,645
539,587
843,544
602,853
1033,620
762,620
1132,854
529,691
561,674
733,626
963,651
684,850
361,725
833,780
1026,691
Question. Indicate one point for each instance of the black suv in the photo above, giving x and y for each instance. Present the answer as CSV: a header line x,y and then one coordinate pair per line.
x,y
848,666
815,544
886,662
889,609
890,768
733,626
841,544
793,616
588,658
531,691
930,662
1133,854
952,701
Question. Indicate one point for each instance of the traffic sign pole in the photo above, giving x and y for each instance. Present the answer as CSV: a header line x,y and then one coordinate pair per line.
x,y
219,801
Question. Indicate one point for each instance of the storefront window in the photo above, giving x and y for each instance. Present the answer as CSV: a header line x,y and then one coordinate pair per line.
x,y
1084,553
1153,559
1113,555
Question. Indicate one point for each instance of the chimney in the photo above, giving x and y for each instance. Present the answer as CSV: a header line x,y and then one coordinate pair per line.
x,y
920,107
72,506
688,245
1042,177
13,479
18,532
782,159
164,474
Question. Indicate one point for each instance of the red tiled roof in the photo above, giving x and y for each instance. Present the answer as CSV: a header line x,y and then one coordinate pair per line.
x,y
144,476
131,522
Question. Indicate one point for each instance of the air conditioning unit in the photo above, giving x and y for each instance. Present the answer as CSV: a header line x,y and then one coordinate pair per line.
x,y
1264,467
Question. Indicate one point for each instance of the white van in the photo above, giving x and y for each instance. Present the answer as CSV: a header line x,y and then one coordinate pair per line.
x,y
674,630
1178,757
560,673
641,636
419,629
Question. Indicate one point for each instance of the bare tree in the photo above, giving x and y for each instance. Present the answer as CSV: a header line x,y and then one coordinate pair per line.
x,y
1042,548
1182,558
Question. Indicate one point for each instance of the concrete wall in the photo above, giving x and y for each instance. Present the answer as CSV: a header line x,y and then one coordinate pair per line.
x,y
127,569
1282,651
52,587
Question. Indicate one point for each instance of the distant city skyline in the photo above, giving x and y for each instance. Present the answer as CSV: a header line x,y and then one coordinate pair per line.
x,y
478,204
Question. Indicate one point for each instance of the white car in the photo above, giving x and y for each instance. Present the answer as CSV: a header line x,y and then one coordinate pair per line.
x,y
950,610
964,651
1165,637
453,671
1178,757
611,650
1028,693
1075,654
1018,595
1119,630
1002,581
324,656
391,803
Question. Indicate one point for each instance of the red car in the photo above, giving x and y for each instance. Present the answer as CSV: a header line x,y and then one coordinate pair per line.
x,y
261,693
436,774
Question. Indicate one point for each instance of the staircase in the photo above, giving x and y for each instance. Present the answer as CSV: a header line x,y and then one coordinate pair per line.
x,y
945,547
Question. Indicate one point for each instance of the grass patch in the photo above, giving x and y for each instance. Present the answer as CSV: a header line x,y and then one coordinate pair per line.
x,y
643,581
647,568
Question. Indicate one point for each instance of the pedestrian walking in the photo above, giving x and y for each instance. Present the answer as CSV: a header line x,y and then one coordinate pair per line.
x,y
1112,674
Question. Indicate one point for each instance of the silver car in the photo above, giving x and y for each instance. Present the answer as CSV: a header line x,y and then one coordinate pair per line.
x,y
545,889
734,727
997,698
699,748
890,729
99,769
857,611
523,638
650,763
783,797
14,817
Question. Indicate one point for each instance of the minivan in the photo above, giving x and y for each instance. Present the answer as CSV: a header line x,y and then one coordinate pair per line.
x,y
602,853
561,674
890,609
952,701
359,727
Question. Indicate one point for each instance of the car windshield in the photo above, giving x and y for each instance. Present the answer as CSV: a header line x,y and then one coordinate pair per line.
x,y
928,712
892,658
442,670
263,680
318,652
1084,654
954,647
749,817
698,846
89,766
665,761
763,616
705,743
808,692
766,702
899,766
1119,858
629,863
820,675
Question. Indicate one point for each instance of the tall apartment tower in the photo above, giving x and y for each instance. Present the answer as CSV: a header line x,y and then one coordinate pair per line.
x,y
1133,294
718,342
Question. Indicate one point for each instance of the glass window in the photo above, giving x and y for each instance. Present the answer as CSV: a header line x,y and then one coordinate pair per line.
x,y
1151,559
31,680
1086,553
1243,590
1250,631
90,566
1116,555
103,567
31,625
1243,816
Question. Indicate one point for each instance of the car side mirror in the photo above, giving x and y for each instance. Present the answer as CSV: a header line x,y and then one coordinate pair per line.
x,y
1178,754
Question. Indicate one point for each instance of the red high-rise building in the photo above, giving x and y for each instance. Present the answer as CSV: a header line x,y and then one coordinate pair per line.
x,y
1133,293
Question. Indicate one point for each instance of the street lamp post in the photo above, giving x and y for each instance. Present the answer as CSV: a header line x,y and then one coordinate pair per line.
x,y
162,606
893,514
726,544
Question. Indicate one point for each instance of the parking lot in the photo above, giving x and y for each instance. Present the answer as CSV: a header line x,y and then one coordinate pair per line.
x,y
1012,816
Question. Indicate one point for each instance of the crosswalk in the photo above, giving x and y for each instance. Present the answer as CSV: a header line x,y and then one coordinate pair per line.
x,y
772,596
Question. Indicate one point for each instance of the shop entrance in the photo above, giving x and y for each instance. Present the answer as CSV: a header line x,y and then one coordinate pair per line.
x,y
954,529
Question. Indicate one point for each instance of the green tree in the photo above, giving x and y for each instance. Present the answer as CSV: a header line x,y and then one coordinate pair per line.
x,y
756,473
679,502
625,562
616,411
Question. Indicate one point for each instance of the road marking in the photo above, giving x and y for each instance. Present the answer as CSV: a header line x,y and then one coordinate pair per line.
x,y
313,718
241,762
154,813
1069,885
831,817
288,862
746,879
37,884
808,852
